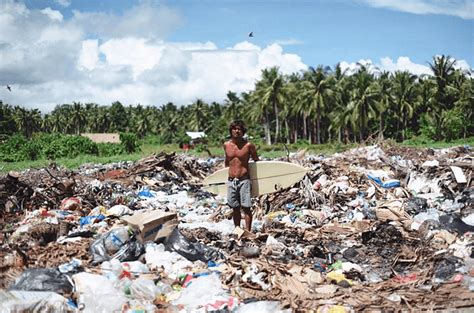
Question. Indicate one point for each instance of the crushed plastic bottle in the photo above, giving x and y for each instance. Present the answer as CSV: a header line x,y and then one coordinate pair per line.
x,y
115,239
70,266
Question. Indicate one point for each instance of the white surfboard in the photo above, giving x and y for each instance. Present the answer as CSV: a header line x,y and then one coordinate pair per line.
x,y
266,176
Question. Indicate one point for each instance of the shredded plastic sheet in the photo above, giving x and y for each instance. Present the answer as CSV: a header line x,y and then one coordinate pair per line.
x,y
43,279
33,301
192,251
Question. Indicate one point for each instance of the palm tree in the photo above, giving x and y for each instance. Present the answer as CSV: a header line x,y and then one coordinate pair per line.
x,y
198,115
170,122
78,117
364,99
340,115
291,105
142,124
443,70
317,85
7,121
27,121
233,106
103,120
404,93
268,95
118,117
385,100
465,102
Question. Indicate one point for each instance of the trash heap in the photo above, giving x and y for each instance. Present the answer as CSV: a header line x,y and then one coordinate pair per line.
x,y
373,228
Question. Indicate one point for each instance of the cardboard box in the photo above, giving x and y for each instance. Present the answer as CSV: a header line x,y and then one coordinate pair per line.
x,y
153,225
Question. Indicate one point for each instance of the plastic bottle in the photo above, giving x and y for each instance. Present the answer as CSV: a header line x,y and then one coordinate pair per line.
x,y
115,239
70,266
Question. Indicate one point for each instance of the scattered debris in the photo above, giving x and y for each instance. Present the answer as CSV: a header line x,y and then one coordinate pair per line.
x,y
366,229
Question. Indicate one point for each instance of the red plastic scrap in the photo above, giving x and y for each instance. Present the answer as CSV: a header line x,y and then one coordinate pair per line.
x,y
187,280
71,204
403,279
230,304
125,274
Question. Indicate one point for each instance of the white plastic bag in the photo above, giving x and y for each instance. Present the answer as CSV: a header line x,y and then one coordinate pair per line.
x,y
201,291
144,289
97,294
32,301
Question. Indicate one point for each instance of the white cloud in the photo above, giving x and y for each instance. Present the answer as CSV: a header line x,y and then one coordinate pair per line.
x,y
463,65
63,3
402,64
245,45
89,57
146,20
460,8
34,48
102,58
137,53
352,67
288,42
52,14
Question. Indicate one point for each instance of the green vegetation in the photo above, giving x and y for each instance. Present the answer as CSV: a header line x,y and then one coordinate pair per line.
x,y
273,151
17,148
423,142
322,110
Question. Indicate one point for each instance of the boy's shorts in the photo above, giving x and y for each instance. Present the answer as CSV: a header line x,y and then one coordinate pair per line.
x,y
238,192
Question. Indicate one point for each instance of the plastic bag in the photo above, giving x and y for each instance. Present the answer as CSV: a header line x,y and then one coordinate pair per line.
x,y
43,279
116,244
201,291
129,252
144,289
97,294
33,301
192,251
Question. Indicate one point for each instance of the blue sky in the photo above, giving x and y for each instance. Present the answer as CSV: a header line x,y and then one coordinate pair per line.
x,y
152,52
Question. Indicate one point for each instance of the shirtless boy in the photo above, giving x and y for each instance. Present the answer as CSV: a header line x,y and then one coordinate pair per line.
x,y
237,155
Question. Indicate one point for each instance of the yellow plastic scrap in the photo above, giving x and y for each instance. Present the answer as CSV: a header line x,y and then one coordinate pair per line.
x,y
332,309
99,210
272,215
338,277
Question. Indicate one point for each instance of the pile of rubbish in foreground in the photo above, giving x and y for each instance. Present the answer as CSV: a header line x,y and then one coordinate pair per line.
x,y
374,228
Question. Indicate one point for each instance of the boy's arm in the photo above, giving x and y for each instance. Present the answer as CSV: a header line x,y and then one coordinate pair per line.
x,y
253,152
226,162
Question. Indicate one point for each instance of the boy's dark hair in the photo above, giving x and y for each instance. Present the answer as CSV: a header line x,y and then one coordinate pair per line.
x,y
237,123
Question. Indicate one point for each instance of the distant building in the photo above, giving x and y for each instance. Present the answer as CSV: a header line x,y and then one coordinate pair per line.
x,y
196,135
197,138
103,137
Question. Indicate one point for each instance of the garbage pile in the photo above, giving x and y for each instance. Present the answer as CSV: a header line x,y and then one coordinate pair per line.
x,y
373,228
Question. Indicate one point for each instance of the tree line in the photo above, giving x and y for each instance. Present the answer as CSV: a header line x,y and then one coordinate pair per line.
x,y
320,105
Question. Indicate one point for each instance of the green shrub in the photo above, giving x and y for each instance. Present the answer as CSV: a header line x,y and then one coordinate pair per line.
x,y
452,124
152,139
129,141
428,127
12,149
110,149
418,140
46,146
32,150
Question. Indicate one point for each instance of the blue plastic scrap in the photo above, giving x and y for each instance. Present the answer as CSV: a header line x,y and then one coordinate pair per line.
x,y
91,219
392,183
145,193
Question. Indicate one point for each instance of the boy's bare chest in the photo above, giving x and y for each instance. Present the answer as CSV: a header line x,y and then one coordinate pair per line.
x,y
234,151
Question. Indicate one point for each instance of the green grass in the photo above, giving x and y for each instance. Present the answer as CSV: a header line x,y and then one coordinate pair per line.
x,y
421,142
273,151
